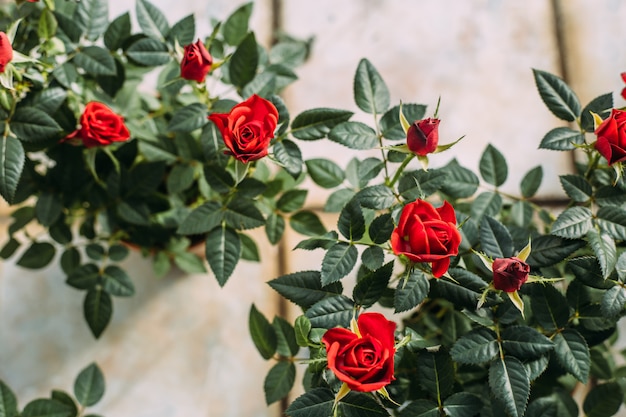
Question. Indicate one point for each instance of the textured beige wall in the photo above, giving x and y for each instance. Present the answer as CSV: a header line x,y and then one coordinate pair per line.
x,y
180,347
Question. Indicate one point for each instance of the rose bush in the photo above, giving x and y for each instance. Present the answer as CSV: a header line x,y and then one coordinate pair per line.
x,y
362,358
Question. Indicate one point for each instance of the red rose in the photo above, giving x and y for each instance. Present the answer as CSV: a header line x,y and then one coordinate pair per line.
x,y
248,129
6,51
427,234
611,134
509,274
364,361
422,137
99,126
196,63
623,75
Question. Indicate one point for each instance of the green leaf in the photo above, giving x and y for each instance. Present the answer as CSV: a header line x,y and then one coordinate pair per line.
x,y
411,291
302,328
304,288
117,32
485,204
325,173
48,24
377,197
180,178
493,166
464,290
462,404
262,332
495,239
118,253
286,337
549,306
117,282
338,261
279,381
573,223
291,200
95,61
307,223
370,91
562,139
93,17
548,250
380,228
351,223
476,347
30,124
509,383
576,187
9,248
148,52
315,123
460,182
331,312
242,214
89,385
288,154
83,277
604,248
436,372
524,342
48,208
572,353
603,400
65,398
38,255
371,287
188,118
587,270
12,158
600,105
203,219
612,220
244,61
317,402
223,250
531,181
360,404
8,402
98,309
421,408
46,408
557,95
613,301
354,135
274,227
151,20
390,122
373,257
415,185
235,27
249,251
184,31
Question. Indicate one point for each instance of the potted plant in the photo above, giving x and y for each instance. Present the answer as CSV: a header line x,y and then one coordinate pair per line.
x,y
439,294
156,140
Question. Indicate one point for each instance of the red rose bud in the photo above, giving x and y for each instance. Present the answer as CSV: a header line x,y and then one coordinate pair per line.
x,y
6,51
364,361
427,234
611,135
422,137
196,63
99,126
509,274
248,129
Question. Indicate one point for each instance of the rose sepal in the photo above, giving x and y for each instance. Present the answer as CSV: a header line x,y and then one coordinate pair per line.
x,y
517,301
385,394
447,146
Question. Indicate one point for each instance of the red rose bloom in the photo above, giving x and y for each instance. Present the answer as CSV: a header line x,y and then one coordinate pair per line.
x,y
422,137
427,234
611,134
6,51
248,129
196,63
509,274
363,361
99,126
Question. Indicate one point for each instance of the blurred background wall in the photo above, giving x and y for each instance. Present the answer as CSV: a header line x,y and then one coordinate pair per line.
x,y
180,346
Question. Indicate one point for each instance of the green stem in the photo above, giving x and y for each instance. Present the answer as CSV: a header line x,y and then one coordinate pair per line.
x,y
401,169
